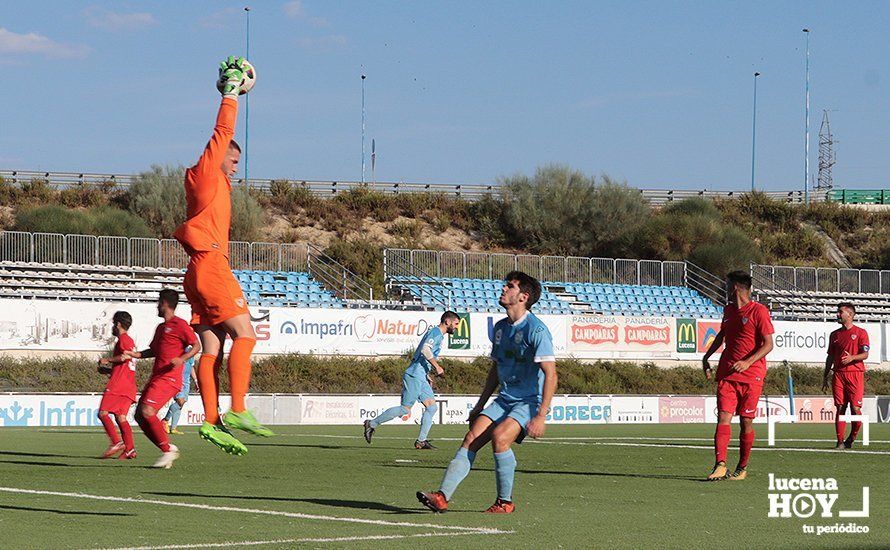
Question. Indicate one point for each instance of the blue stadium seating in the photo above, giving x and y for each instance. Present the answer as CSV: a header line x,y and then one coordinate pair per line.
x,y
566,298
280,288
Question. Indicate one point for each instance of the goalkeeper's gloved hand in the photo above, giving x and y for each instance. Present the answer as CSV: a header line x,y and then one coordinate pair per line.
x,y
231,74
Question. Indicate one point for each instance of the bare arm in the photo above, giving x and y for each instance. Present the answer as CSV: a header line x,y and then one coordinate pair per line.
x,y
712,349
535,428
760,353
829,361
491,384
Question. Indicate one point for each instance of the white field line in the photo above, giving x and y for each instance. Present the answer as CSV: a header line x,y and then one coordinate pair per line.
x,y
610,442
559,439
292,541
479,530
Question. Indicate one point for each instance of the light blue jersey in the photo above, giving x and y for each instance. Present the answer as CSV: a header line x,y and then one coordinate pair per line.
x,y
420,366
187,367
518,349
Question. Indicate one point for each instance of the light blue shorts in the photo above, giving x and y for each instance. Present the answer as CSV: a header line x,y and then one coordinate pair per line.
x,y
186,388
520,411
415,389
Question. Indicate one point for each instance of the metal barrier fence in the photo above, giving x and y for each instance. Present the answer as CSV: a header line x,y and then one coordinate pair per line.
x,y
820,279
570,269
656,197
19,246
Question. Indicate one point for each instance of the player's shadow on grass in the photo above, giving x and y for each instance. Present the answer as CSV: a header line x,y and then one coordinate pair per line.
x,y
62,512
48,455
327,447
567,473
339,503
51,464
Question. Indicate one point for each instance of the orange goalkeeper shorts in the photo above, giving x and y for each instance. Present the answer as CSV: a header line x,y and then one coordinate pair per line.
x,y
212,289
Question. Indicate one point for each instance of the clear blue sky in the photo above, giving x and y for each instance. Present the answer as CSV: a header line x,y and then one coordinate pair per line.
x,y
657,93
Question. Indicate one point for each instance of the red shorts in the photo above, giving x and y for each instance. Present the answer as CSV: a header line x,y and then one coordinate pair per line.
x,y
115,404
849,387
212,289
158,391
738,398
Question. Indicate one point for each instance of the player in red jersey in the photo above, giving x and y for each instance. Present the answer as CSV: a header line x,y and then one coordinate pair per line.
x,y
747,332
168,347
847,352
120,391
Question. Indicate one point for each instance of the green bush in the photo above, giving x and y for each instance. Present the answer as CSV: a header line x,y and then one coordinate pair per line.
x,y
247,216
158,197
297,373
361,256
105,220
561,211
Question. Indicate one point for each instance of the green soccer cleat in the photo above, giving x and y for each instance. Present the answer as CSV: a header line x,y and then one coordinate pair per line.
x,y
245,421
221,437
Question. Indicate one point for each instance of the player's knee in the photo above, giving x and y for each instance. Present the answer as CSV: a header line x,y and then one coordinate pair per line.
x,y
121,418
468,439
180,401
102,414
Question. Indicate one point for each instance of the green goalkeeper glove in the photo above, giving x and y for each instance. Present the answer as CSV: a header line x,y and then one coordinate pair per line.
x,y
231,74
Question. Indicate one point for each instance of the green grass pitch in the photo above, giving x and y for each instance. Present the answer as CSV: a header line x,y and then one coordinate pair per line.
x,y
324,487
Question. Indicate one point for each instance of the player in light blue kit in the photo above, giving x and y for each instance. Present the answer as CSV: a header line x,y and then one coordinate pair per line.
x,y
172,418
416,382
525,368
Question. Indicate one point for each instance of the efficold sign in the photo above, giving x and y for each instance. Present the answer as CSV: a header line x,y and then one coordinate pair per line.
x,y
461,339
686,336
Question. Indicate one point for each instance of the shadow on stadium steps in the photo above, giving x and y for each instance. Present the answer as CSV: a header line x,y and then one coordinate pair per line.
x,y
63,512
357,504
566,473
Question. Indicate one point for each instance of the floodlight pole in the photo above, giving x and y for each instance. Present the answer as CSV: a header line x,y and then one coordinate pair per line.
x,y
247,111
363,127
806,177
754,131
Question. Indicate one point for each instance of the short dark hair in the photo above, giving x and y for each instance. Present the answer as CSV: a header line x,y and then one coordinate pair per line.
x,y
234,145
449,315
169,297
739,277
123,319
847,305
527,284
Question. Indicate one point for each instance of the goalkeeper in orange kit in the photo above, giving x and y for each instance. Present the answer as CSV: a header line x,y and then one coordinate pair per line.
x,y
218,305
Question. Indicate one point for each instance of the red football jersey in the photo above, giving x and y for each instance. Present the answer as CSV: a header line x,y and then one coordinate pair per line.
x,y
170,340
853,341
744,331
123,375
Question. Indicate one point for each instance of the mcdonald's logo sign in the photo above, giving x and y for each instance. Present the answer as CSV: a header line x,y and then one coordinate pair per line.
x,y
461,337
686,335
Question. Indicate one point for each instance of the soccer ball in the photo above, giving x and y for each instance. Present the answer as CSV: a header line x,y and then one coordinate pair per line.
x,y
247,81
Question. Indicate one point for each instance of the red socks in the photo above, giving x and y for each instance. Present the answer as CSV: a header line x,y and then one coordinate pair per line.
x,y
855,431
840,427
127,434
108,424
209,386
721,441
746,441
154,430
239,371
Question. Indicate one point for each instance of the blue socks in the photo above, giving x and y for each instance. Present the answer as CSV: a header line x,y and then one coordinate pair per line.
x,y
504,471
426,421
457,470
173,414
388,415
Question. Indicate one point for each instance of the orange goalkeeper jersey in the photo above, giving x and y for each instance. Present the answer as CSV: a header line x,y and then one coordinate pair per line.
x,y
208,190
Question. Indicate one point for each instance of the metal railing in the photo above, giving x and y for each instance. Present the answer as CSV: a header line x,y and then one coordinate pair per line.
x,y
706,283
336,277
567,269
399,270
820,279
471,191
138,252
